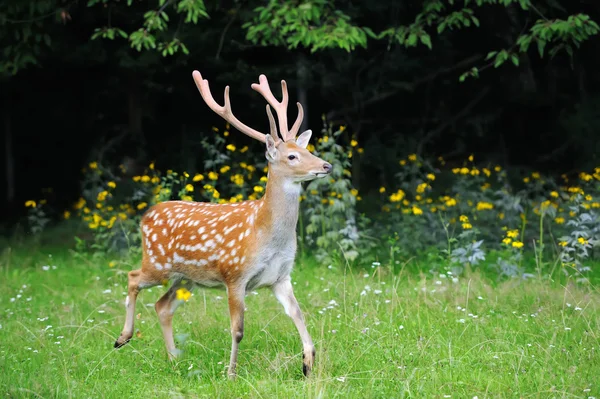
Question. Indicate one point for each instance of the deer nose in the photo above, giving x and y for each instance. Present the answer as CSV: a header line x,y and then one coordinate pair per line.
x,y
327,166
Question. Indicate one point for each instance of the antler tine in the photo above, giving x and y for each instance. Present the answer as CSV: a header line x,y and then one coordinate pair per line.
x,y
224,112
272,124
296,127
279,107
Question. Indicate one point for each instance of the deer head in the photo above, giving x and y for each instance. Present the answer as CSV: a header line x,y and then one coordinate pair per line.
x,y
287,155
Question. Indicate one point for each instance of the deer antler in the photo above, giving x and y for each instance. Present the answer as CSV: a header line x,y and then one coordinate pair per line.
x,y
280,107
225,111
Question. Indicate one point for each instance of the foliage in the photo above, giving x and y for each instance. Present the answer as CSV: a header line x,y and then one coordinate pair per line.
x,y
315,25
24,33
330,210
475,205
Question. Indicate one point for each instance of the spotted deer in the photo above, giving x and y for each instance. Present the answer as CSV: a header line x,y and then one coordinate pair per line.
x,y
239,246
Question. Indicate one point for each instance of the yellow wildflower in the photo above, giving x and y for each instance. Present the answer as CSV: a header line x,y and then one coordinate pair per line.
x,y
93,165
582,241
506,240
562,243
464,171
361,150
225,169
155,180
198,177
431,176
382,189
585,176
111,184
397,196
467,226
450,202
554,194
487,172
102,195
535,175
559,220
112,263
244,149
226,133
187,198
342,128
463,218
183,294
66,214
482,206
526,180
412,157
30,204
517,244
230,147
512,233
189,188
258,189
213,175
416,210
402,162
498,168
145,179
237,179
353,143
142,205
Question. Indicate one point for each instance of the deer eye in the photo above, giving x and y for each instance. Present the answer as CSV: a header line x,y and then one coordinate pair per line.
x,y
291,157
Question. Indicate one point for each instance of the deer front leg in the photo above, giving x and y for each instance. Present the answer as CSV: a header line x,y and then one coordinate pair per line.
x,y
236,313
285,295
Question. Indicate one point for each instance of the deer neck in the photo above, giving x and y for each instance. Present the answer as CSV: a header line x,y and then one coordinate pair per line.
x,y
280,204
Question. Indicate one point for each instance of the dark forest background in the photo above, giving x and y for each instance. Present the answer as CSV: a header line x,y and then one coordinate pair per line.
x,y
513,82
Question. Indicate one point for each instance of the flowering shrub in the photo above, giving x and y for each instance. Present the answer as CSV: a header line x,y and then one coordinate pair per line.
x,y
476,210
330,213
463,213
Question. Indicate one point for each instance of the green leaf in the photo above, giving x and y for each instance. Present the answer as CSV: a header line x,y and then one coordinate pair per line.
x,y
426,40
490,55
515,59
541,44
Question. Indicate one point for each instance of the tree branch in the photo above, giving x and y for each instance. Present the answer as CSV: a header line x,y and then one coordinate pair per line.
x,y
405,86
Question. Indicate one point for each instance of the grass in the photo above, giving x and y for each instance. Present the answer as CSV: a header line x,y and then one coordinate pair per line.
x,y
377,335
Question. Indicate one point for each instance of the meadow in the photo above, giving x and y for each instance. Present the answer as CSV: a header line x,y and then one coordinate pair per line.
x,y
456,280
417,332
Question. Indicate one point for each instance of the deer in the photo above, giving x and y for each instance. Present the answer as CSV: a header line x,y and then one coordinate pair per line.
x,y
239,246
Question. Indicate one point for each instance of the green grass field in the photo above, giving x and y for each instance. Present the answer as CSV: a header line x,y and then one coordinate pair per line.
x,y
377,335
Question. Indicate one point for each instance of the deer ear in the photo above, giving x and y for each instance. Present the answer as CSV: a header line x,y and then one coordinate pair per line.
x,y
271,153
302,140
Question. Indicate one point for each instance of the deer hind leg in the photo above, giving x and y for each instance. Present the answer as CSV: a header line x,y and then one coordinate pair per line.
x,y
236,313
165,309
137,280
284,293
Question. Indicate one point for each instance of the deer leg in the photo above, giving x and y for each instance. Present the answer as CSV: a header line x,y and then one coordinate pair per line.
x,y
137,281
236,313
285,295
165,309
